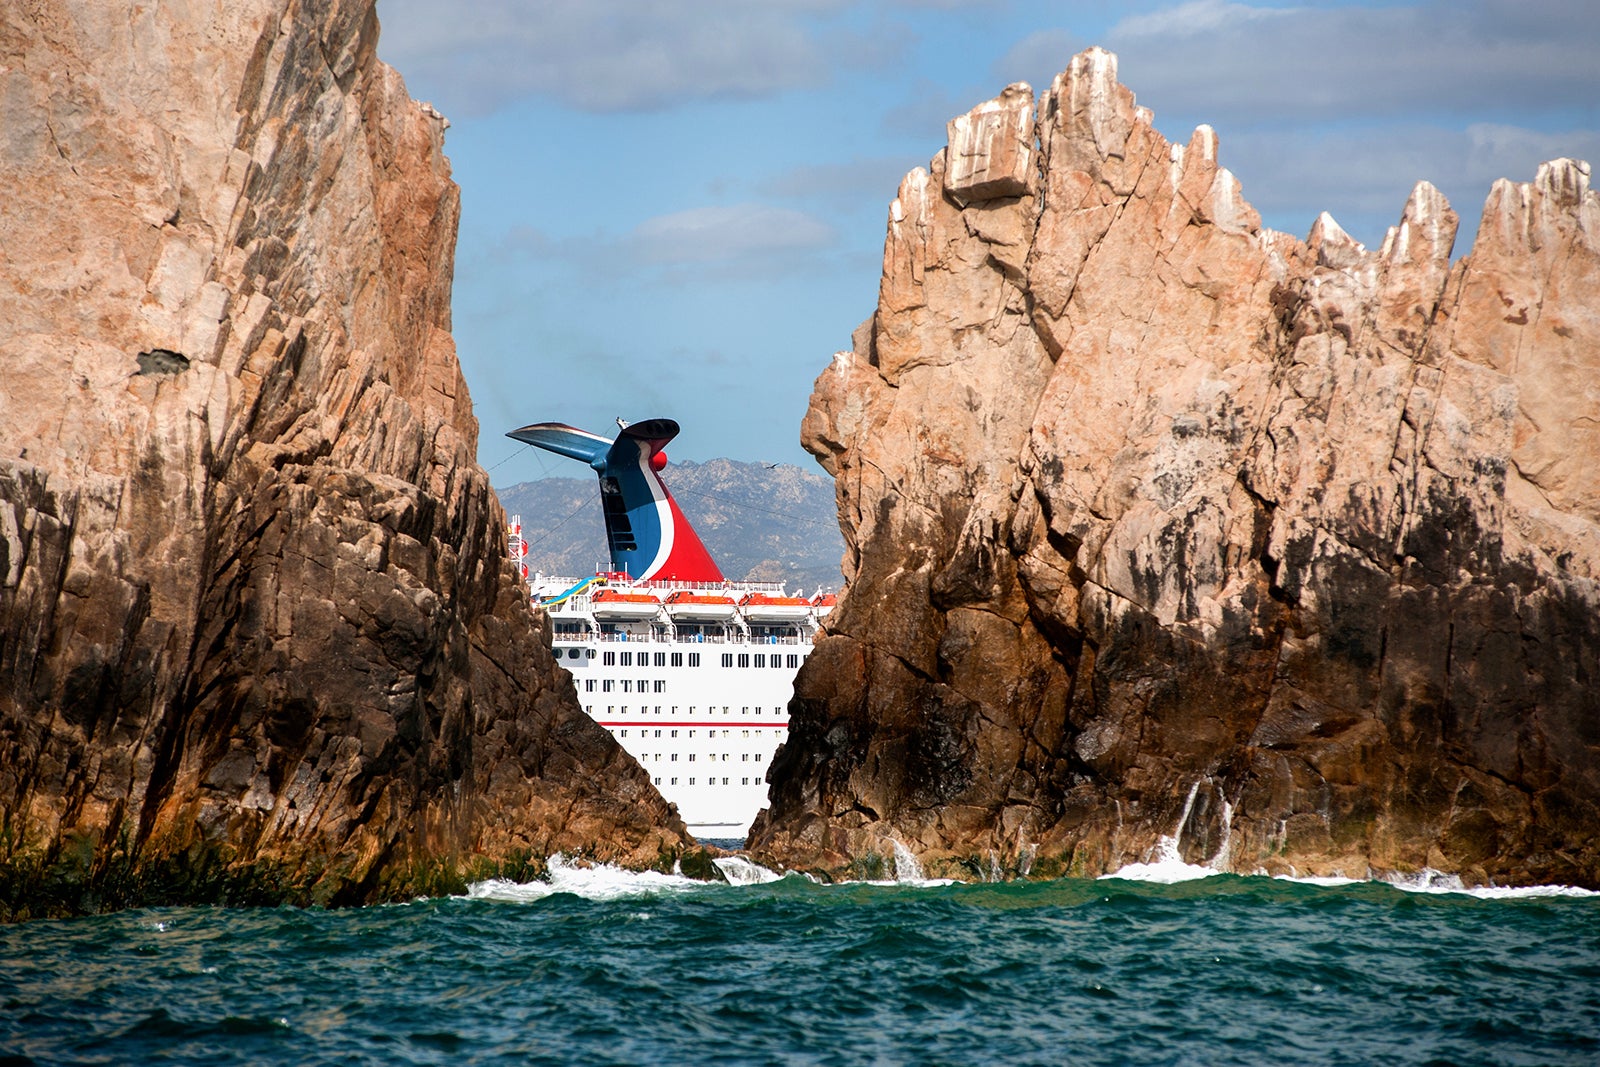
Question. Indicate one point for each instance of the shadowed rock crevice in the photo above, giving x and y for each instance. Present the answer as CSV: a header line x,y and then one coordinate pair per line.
x,y
1294,541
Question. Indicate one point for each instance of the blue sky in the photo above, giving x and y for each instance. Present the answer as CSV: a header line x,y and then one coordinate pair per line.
x,y
677,208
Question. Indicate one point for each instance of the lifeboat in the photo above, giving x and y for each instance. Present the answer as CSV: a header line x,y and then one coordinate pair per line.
x,y
701,607
759,607
823,603
611,604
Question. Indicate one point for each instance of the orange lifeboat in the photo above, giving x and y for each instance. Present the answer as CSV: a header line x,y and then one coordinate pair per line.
x,y
759,607
701,607
614,604
823,603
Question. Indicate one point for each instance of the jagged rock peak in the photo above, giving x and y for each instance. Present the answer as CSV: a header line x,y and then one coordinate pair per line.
x,y
1160,524
991,148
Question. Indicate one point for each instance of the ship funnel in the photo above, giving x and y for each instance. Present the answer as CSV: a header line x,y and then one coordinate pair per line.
x,y
647,532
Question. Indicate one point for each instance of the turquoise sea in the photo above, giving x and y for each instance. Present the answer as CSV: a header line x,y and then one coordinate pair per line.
x,y
605,967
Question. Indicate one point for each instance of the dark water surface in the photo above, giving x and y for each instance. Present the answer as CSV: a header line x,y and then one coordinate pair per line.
x,y
609,968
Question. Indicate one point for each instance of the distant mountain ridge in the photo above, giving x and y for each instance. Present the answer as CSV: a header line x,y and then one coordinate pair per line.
x,y
771,524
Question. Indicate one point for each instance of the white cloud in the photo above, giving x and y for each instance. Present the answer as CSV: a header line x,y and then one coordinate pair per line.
x,y
615,55
728,232
1231,61
1197,16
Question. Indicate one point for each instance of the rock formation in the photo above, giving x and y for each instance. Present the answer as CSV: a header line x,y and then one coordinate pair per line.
x,y
259,637
1170,534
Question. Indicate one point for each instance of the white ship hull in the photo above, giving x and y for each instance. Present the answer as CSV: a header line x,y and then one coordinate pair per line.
x,y
701,704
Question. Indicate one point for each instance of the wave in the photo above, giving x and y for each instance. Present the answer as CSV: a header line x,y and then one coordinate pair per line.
x,y
1167,870
598,882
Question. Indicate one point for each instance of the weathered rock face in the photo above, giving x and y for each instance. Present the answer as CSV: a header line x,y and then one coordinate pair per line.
x,y
258,632
1163,525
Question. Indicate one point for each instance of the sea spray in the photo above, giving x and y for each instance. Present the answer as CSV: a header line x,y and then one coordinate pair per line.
x,y
906,867
738,870
1166,859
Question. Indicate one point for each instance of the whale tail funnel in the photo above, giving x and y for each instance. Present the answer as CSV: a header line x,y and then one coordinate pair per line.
x,y
647,532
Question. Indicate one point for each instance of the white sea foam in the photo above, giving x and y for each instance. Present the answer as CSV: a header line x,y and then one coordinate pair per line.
x,y
740,871
1324,880
602,881
1166,870
1429,880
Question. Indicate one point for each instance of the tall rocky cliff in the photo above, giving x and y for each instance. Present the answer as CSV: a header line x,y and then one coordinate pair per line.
x,y
259,638
1170,532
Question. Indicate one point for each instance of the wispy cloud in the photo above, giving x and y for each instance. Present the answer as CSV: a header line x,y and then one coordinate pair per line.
x,y
733,232
619,55
1233,61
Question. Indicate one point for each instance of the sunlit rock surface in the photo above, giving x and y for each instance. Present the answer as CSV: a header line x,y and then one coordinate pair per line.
x,y
258,633
1144,501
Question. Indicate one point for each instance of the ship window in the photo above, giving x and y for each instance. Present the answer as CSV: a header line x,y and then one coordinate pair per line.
x,y
658,733
794,661
673,757
643,685
758,757
777,661
588,685
724,781
727,659
574,653
761,659
691,734
691,757
674,781
746,781
746,757
691,781
746,709
606,684
674,733
724,709
694,659
677,659
627,659
589,652
627,685
658,779
744,659
661,659
610,659
661,686
624,733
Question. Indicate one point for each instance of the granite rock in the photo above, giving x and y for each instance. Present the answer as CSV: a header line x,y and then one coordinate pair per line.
x,y
1171,535
259,634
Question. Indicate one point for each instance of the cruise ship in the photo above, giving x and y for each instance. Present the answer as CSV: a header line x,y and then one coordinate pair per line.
x,y
690,672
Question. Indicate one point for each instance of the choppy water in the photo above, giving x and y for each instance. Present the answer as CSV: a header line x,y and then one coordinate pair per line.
x,y
602,967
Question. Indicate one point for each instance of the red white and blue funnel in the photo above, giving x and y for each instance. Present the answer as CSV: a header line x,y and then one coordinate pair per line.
x,y
648,535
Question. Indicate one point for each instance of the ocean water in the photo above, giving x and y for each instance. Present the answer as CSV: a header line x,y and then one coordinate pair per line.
x,y
1165,965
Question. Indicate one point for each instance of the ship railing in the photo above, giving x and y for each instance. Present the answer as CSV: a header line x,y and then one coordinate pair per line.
x,y
623,637
664,585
